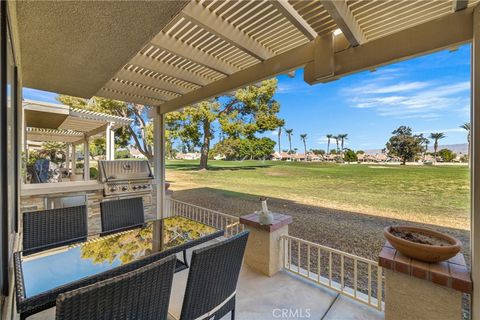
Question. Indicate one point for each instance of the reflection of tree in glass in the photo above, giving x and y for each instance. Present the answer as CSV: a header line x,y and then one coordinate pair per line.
x,y
180,230
131,245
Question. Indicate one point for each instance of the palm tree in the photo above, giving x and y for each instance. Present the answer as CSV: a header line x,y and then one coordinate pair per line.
x,y
289,133
426,141
342,138
279,136
435,137
337,138
329,136
304,139
467,126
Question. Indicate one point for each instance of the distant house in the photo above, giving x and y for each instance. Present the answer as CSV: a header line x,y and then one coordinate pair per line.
x,y
282,156
188,156
314,157
134,153
330,157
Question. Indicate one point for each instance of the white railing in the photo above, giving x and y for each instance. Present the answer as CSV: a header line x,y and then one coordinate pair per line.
x,y
219,220
356,277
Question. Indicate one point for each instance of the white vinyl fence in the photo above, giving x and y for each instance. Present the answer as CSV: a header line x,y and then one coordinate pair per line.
x,y
219,220
356,277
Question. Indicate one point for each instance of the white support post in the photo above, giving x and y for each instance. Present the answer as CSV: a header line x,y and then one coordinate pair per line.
x,y
67,157
110,142
86,160
475,166
74,159
159,162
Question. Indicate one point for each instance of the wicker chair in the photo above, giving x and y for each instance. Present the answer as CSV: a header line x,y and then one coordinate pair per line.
x,y
212,280
121,214
140,294
54,227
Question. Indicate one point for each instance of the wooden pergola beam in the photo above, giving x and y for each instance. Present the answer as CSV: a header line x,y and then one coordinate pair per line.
x,y
345,20
169,70
122,96
458,5
144,79
447,32
136,89
214,24
289,12
181,49
455,29
279,64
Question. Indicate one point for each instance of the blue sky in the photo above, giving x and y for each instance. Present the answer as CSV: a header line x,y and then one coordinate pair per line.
x,y
429,94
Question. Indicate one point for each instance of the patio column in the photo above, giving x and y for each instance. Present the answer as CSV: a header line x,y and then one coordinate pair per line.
x,y
110,142
86,159
159,162
475,165
67,156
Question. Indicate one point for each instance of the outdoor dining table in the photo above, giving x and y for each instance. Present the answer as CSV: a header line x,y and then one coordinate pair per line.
x,y
42,276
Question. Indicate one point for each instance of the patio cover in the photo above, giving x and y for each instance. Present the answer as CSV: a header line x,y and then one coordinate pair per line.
x,y
206,48
57,122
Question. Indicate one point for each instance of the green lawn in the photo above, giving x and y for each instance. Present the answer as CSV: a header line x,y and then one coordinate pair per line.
x,y
436,195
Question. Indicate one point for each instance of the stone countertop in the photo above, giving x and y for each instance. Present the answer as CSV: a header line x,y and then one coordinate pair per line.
x,y
59,187
452,273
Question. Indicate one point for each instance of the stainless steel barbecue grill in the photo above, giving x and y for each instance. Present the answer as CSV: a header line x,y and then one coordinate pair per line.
x,y
125,177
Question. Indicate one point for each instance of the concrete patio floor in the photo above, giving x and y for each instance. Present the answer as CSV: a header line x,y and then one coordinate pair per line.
x,y
283,296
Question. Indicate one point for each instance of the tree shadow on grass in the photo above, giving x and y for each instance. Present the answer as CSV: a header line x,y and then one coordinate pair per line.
x,y
353,232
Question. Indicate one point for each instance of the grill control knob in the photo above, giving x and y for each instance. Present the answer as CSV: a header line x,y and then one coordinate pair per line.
x,y
124,188
144,186
112,189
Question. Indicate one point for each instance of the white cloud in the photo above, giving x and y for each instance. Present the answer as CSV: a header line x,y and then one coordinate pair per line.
x,y
413,99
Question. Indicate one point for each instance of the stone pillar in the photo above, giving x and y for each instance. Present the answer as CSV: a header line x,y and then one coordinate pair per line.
x,y
264,251
419,290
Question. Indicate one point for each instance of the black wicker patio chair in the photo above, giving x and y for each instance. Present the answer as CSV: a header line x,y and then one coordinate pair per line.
x,y
54,227
212,280
140,294
121,214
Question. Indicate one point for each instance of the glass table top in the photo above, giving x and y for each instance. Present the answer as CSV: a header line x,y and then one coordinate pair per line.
x,y
52,268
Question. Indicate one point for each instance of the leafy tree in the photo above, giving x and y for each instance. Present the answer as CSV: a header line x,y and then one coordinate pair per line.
x,y
247,148
435,137
447,155
289,133
137,131
303,137
404,144
329,136
360,152
54,151
350,156
252,110
195,124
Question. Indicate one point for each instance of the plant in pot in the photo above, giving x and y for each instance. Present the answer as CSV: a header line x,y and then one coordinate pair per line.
x,y
422,243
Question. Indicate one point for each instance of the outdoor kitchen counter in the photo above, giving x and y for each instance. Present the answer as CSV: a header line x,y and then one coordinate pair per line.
x,y
60,187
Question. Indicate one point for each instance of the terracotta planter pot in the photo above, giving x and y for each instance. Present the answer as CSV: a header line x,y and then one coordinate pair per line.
x,y
423,252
